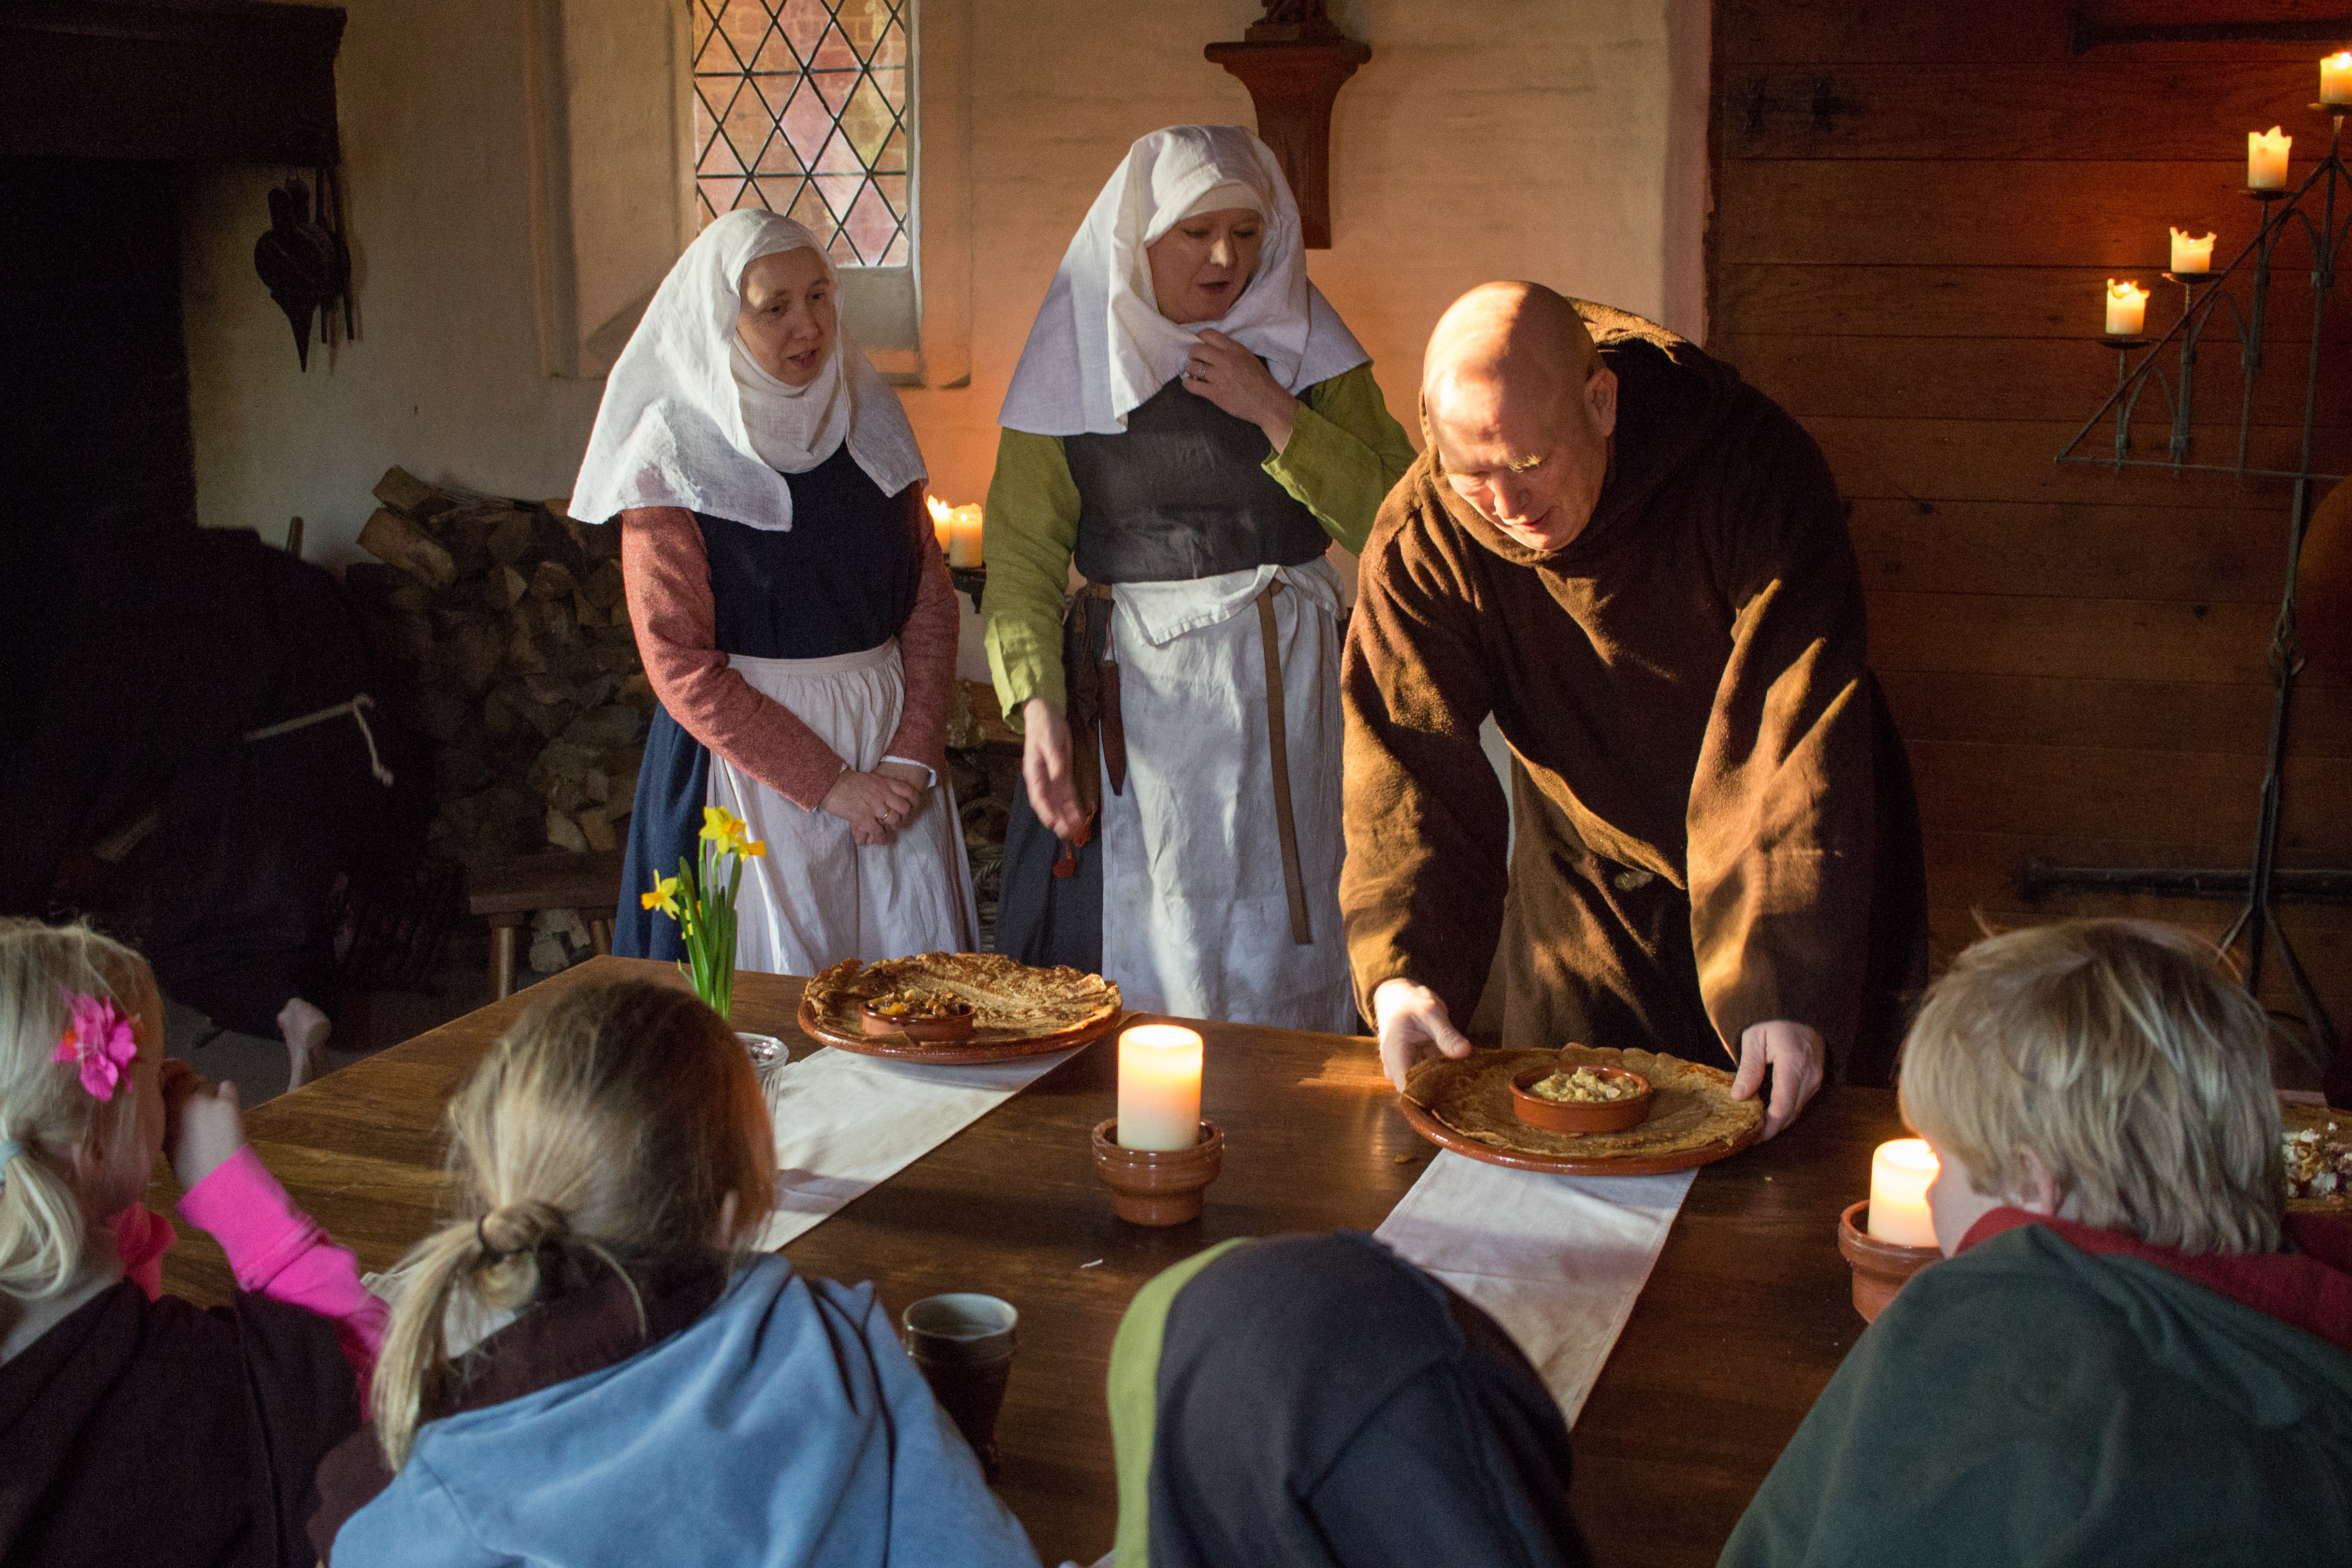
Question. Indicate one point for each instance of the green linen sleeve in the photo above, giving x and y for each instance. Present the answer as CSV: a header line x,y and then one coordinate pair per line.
x,y
1344,455
1032,527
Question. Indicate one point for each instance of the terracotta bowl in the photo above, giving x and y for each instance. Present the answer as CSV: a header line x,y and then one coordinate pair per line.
x,y
954,1027
1157,1187
1578,1115
1880,1269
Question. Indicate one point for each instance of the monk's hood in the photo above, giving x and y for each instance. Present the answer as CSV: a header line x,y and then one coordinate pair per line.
x,y
1674,402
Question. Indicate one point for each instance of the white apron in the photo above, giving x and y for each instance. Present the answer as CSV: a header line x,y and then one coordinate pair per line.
x,y
1196,917
819,897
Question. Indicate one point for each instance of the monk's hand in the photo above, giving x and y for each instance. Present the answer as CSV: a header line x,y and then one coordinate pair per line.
x,y
1047,769
1237,382
1795,1053
873,804
1412,1024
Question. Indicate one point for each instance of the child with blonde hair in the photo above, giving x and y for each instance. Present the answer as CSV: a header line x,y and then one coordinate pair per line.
x,y
660,1395
2121,1359
139,1429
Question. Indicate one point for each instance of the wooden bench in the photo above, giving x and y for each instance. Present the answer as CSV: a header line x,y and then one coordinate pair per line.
x,y
509,892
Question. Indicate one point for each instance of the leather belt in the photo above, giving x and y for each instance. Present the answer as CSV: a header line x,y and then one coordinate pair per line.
x,y
1278,736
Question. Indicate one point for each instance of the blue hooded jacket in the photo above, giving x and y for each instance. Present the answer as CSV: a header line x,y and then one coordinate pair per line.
x,y
783,1428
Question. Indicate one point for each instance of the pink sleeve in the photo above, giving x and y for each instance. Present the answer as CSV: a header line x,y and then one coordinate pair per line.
x,y
141,1236
279,1251
926,647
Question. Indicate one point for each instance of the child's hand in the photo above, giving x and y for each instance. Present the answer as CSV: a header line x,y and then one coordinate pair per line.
x,y
202,1124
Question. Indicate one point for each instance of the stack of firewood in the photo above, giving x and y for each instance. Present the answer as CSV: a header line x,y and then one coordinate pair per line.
x,y
507,619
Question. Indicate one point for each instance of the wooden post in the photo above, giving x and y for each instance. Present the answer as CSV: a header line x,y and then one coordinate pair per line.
x,y
1294,64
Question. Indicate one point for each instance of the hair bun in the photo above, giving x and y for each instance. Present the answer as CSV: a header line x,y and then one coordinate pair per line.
x,y
517,1228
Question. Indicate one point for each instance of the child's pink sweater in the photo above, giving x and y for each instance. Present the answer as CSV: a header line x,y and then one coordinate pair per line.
x,y
275,1249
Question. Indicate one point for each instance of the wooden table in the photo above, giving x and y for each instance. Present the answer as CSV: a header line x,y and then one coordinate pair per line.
x,y
1743,1322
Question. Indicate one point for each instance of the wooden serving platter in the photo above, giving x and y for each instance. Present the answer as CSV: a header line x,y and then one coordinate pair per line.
x,y
1442,1103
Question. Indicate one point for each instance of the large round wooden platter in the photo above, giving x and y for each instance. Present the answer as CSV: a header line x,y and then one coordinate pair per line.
x,y
1694,1122
1023,1011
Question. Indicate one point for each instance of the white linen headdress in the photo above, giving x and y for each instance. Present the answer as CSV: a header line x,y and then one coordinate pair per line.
x,y
690,419
1100,345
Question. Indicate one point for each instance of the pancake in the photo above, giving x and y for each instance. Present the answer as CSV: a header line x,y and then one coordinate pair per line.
x,y
1011,1001
1691,1106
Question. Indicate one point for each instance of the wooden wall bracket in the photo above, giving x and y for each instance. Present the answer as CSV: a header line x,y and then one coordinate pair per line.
x,y
1294,64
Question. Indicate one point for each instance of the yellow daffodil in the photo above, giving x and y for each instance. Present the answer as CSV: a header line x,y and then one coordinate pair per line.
x,y
663,897
730,832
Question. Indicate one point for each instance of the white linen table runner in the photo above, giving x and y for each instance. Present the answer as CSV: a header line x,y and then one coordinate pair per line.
x,y
1558,1261
846,1124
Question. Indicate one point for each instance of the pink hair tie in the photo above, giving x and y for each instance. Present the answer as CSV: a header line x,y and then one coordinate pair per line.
x,y
100,1037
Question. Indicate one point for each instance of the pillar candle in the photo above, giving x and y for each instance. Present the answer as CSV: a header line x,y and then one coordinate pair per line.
x,y
942,521
1899,1175
2336,78
2266,159
2126,308
2191,256
1159,1087
963,546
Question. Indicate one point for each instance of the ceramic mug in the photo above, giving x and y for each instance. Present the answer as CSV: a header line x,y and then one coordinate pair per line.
x,y
962,1343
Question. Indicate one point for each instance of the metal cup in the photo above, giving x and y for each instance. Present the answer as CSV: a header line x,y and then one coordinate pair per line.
x,y
962,1343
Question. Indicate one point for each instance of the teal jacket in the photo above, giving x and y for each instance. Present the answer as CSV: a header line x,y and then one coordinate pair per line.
x,y
2027,1403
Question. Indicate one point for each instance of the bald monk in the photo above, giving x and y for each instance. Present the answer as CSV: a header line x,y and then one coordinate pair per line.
x,y
1639,565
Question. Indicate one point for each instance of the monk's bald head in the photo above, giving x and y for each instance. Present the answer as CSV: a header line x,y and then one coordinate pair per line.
x,y
1521,338
1519,408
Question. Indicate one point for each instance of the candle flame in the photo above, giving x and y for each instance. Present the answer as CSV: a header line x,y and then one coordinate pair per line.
x,y
2184,238
940,510
2125,290
2271,140
2341,60
1911,1153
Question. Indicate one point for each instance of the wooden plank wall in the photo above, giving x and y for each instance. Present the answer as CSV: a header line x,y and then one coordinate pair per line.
x,y
2077,657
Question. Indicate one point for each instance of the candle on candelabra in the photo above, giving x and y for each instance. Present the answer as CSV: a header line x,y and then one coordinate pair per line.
x,y
2126,308
964,545
942,521
2336,78
2192,254
2266,159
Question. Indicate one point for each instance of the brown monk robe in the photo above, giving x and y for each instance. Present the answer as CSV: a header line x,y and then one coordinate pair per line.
x,y
1716,825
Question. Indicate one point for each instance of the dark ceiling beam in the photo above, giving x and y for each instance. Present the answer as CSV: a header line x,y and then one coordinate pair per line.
x,y
186,80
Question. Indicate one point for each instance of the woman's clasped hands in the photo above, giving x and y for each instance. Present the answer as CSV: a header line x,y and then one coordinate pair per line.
x,y
877,805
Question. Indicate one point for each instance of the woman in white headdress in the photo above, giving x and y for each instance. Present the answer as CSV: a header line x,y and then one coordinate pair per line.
x,y
1192,425
789,600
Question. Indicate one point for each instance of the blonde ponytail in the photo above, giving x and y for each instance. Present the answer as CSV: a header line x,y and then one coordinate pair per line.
x,y
609,1125
44,1110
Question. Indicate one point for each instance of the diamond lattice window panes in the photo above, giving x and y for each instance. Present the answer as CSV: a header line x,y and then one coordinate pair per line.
x,y
801,106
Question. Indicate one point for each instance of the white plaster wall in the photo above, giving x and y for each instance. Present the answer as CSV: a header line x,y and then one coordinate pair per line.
x,y
446,377
1485,139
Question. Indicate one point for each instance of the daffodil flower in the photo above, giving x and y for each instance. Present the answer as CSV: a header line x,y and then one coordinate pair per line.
x,y
663,896
731,833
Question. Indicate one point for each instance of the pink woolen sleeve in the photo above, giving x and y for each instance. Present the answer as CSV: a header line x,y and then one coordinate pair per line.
x,y
279,1251
667,578
927,648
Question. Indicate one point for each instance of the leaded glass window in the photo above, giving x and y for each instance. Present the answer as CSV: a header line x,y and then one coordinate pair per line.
x,y
801,106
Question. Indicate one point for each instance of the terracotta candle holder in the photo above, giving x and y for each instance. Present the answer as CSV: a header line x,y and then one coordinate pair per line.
x,y
1157,1187
1880,1268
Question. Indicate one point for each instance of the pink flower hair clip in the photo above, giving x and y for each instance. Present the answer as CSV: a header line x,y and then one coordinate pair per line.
x,y
100,1037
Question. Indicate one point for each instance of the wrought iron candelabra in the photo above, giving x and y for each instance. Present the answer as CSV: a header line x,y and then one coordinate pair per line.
x,y
2319,209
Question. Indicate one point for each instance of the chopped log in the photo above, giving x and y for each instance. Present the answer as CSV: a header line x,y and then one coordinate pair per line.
x,y
603,588
523,651
393,539
469,657
565,833
597,830
515,587
509,537
552,581
404,492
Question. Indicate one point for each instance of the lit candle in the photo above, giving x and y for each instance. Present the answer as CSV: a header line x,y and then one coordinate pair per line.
x,y
1159,1087
1899,1175
2266,159
2192,254
2336,78
963,544
2126,308
942,521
